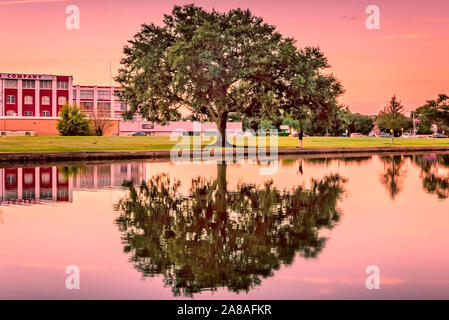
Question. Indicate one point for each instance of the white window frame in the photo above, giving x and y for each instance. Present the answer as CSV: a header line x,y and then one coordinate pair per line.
x,y
104,95
28,178
11,99
100,105
45,113
11,84
59,100
28,113
84,103
28,100
63,85
28,84
86,94
45,84
45,177
47,98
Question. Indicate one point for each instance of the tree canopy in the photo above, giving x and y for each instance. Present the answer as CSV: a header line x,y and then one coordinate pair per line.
x,y
435,111
392,117
212,237
215,63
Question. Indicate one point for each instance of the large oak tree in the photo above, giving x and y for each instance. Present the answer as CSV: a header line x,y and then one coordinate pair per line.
x,y
216,63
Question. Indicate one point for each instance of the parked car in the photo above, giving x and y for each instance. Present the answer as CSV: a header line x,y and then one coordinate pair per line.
x,y
138,133
409,135
439,135
357,135
383,135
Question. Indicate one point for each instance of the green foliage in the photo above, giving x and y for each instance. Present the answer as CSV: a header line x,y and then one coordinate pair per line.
x,y
356,122
73,122
394,174
294,124
392,117
266,125
212,238
216,63
432,181
423,128
434,111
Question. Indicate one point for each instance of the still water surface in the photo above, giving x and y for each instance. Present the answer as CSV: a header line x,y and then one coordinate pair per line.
x,y
158,230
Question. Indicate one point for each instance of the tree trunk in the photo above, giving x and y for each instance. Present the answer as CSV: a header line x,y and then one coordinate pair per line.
x,y
221,126
221,195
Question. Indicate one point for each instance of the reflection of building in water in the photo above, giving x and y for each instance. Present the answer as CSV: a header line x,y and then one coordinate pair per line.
x,y
56,184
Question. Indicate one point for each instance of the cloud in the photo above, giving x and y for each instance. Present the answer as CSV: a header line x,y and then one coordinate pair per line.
x,y
9,3
407,36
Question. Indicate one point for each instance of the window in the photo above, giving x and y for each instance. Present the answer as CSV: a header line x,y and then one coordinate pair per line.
x,y
28,178
10,179
45,113
46,84
28,84
10,113
63,85
74,94
45,100
46,194
62,178
86,106
62,101
123,106
10,99
104,106
28,100
86,94
104,95
28,194
45,178
11,84
28,113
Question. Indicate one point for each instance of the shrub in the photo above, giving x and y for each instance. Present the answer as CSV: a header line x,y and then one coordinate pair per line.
x,y
73,122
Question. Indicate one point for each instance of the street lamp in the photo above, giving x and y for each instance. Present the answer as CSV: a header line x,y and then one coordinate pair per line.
x,y
392,135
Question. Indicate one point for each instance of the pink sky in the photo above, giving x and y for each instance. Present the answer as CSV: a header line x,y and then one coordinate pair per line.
x,y
408,56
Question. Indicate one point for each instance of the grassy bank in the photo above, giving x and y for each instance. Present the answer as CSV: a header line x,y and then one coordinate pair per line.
x,y
52,144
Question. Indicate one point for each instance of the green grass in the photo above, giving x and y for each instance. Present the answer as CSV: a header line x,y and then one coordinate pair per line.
x,y
43,144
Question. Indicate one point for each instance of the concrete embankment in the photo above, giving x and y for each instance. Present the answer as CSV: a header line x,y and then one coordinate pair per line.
x,y
44,157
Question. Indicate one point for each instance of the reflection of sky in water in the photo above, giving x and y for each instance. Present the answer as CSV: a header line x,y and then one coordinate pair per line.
x,y
393,214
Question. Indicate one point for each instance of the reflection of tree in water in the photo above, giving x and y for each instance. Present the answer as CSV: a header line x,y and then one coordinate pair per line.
x,y
345,160
394,174
215,238
431,180
72,171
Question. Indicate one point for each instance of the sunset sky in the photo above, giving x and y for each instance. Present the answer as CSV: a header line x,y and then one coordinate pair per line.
x,y
408,56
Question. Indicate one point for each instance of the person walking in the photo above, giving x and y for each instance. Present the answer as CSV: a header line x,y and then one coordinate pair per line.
x,y
300,137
